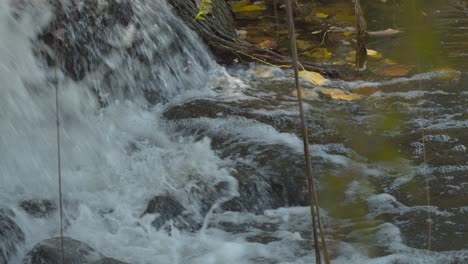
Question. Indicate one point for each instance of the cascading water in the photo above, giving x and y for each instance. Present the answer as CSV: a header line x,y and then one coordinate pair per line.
x,y
153,129
115,157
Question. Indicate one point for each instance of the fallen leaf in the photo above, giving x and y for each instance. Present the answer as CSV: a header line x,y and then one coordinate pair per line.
x,y
321,15
307,94
319,53
366,91
313,77
239,4
338,94
374,54
248,8
388,61
268,44
384,33
339,62
341,12
396,71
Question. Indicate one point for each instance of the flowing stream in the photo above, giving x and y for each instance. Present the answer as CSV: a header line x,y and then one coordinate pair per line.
x,y
145,111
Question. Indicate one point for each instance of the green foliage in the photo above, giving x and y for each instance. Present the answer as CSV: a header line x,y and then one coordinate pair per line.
x,y
204,9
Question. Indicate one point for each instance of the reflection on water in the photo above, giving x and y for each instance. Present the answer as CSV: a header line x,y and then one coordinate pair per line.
x,y
383,130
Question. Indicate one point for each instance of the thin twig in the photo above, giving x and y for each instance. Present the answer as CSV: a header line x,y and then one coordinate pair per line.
x,y
361,30
275,8
59,158
314,204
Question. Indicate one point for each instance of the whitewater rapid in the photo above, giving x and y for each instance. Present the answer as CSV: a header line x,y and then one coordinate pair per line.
x,y
118,151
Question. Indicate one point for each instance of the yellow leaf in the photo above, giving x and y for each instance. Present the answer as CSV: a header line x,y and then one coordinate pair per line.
x,y
388,61
268,44
374,54
239,4
338,94
347,33
307,94
248,8
321,15
339,62
313,77
303,44
320,53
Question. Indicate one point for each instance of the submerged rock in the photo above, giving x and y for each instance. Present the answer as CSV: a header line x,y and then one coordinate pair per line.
x,y
38,208
79,42
11,236
166,206
280,182
269,175
75,252
211,109
170,212
109,261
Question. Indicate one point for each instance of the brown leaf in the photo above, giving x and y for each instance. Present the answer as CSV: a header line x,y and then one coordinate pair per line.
x,y
396,71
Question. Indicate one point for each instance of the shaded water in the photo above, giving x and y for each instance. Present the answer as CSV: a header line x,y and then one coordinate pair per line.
x,y
205,128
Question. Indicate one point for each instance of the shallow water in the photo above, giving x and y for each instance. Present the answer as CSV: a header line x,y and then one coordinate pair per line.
x,y
210,126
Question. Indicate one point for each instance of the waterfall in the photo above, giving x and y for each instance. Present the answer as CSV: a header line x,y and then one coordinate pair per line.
x,y
120,64
169,158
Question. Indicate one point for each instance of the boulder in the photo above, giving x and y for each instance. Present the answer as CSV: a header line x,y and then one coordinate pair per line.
x,y
170,212
75,252
212,109
109,261
11,236
79,33
166,206
38,208
280,182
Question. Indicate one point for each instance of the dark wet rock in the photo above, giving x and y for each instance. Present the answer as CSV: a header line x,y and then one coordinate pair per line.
x,y
207,196
167,206
269,176
115,44
262,239
212,109
79,33
49,251
153,97
244,227
39,208
170,212
109,261
280,182
75,252
11,236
